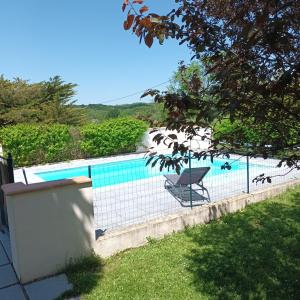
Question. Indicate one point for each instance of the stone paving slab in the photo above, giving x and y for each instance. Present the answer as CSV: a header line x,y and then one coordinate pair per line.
x,y
49,288
7,248
4,236
3,257
7,276
4,239
14,292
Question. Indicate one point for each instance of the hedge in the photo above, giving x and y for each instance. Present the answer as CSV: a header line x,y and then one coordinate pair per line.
x,y
35,144
112,137
252,132
39,144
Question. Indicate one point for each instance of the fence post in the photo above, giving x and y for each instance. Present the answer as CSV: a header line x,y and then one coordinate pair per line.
x,y
25,177
10,167
190,168
248,185
90,171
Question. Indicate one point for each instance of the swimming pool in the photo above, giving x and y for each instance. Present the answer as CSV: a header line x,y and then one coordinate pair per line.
x,y
113,173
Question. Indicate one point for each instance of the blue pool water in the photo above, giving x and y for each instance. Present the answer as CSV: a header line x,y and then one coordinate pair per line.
x,y
130,170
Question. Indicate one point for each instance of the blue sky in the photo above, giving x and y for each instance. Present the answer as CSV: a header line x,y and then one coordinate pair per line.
x,y
84,42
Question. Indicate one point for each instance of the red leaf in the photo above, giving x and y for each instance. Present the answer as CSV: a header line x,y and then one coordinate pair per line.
x,y
144,9
128,23
130,19
138,1
138,32
149,40
125,3
146,22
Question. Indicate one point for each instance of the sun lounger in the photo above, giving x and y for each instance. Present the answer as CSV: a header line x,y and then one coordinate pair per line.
x,y
181,185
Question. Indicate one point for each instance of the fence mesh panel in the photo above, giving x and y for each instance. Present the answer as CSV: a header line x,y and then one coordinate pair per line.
x,y
127,192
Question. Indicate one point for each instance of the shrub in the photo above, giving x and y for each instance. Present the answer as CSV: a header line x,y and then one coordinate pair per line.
x,y
36,144
243,131
113,136
254,133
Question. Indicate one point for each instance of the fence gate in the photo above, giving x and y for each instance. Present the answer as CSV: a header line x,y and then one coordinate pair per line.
x,y
6,176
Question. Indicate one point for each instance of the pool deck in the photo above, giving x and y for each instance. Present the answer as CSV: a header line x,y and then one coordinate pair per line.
x,y
137,201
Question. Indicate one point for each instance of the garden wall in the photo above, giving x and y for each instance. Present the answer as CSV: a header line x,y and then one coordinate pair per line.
x,y
50,224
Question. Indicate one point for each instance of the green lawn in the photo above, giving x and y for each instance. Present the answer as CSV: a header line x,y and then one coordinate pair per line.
x,y
253,254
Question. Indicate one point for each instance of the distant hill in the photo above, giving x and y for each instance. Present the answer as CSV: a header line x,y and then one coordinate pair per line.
x,y
150,112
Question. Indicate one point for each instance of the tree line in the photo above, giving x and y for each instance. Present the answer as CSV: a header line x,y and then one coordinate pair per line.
x,y
53,102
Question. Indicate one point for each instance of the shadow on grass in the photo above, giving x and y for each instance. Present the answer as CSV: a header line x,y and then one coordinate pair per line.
x,y
85,275
254,254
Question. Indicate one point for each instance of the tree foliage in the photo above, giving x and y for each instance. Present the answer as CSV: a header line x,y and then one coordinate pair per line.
x,y
152,113
251,49
58,102
49,101
181,80
18,101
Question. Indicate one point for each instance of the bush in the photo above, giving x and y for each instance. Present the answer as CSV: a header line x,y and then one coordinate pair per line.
x,y
254,133
114,136
36,144
244,132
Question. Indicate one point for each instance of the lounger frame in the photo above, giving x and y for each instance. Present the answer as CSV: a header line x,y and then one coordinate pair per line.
x,y
179,191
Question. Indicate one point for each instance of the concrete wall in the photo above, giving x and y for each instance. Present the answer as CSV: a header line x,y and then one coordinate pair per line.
x,y
50,224
136,235
196,144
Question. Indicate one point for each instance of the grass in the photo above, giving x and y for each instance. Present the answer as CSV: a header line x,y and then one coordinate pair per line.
x,y
253,254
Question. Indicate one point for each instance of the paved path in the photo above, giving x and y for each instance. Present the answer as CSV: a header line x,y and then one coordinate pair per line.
x,y
10,287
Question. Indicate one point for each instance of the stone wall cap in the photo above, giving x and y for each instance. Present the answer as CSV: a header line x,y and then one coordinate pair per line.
x,y
21,188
